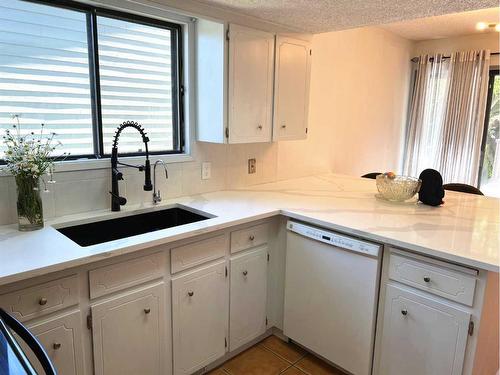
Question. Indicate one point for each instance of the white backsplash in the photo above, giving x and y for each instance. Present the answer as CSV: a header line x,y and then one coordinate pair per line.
x,y
82,191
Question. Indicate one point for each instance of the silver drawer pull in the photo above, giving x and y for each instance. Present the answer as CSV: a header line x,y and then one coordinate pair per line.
x,y
42,301
427,279
404,312
147,311
56,345
190,293
245,273
252,237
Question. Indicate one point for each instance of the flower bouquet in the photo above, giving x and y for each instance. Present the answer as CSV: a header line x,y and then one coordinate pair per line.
x,y
28,158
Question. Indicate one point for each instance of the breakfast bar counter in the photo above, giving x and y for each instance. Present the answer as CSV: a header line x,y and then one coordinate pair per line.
x,y
464,230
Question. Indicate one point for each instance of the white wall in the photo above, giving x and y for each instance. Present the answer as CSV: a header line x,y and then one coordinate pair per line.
x,y
361,97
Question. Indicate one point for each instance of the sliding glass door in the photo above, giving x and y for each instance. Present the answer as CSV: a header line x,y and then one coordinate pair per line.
x,y
489,173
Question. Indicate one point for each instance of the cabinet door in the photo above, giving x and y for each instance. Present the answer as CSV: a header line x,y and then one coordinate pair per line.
x,y
421,335
291,95
62,339
251,57
129,333
200,317
248,298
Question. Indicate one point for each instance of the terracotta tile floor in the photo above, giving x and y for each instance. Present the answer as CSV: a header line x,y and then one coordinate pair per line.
x,y
273,356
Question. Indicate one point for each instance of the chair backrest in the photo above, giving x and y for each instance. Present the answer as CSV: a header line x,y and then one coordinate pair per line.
x,y
8,321
372,175
463,188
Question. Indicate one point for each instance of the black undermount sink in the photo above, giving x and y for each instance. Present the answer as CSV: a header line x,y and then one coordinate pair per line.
x,y
113,229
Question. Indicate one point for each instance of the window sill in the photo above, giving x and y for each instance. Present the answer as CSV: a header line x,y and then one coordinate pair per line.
x,y
93,164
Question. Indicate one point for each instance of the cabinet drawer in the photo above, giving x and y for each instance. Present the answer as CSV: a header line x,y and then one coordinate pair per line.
x,y
109,279
249,237
196,253
41,299
445,282
62,340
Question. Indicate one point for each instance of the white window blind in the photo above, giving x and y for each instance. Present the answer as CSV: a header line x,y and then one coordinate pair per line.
x,y
135,75
82,71
44,73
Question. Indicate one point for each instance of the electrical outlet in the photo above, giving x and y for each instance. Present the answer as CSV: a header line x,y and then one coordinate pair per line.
x,y
252,166
206,170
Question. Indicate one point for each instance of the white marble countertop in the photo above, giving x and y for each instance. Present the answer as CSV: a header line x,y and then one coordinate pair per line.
x,y
465,230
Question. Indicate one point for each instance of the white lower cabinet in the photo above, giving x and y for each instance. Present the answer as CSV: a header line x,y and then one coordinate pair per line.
x,y
248,297
200,317
129,333
62,339
421,336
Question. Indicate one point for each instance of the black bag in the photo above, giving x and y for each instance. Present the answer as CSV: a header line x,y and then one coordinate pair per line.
x,y
432,191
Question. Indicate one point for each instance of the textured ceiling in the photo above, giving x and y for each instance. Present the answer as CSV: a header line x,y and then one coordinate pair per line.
x,y
446,26
317,16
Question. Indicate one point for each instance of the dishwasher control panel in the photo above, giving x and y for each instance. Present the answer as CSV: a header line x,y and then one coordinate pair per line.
x,y
334,239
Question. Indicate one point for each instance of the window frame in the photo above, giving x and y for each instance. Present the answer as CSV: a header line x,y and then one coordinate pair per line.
x,y
177,63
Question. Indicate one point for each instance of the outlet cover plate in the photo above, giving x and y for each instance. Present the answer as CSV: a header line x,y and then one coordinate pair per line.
x,y
252,166
206,170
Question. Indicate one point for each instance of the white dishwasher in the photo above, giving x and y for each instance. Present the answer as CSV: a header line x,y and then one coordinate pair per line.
x,y
331,294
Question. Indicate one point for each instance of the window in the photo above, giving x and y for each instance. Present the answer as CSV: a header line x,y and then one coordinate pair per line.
x,y
82,71
490,163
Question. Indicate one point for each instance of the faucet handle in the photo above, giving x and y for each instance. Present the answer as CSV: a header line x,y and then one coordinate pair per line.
x,y
117,174
121,200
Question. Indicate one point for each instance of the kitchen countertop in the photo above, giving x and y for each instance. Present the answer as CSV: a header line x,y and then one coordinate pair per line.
x,y
465,230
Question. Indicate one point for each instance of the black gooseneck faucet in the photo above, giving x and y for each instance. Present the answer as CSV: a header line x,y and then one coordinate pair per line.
x,y
116,175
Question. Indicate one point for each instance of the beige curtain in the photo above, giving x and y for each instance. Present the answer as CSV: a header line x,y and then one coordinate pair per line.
x,y
426,113
447,116
462,130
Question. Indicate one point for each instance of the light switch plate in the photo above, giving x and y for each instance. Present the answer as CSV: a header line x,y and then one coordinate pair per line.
x,y
206,170
252,166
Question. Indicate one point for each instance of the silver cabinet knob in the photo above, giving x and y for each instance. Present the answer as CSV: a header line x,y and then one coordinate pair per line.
x,y
42,301
252,237
404,312
147,311
56,345
427,279
190,293
245,273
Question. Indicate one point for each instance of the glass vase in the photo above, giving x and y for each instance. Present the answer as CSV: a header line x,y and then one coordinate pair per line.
x,y
29,203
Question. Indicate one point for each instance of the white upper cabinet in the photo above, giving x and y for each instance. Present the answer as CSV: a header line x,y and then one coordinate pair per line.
x,y
251,67
241,81
291,88
211,81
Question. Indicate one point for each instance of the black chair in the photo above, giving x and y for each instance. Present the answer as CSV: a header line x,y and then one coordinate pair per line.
x,y
372,175
7,323
463,188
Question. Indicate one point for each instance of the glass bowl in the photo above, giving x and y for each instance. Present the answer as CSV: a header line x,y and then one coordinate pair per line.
x,y
398,188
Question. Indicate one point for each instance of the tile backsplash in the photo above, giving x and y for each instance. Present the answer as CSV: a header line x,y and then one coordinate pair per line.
x,y
82,191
